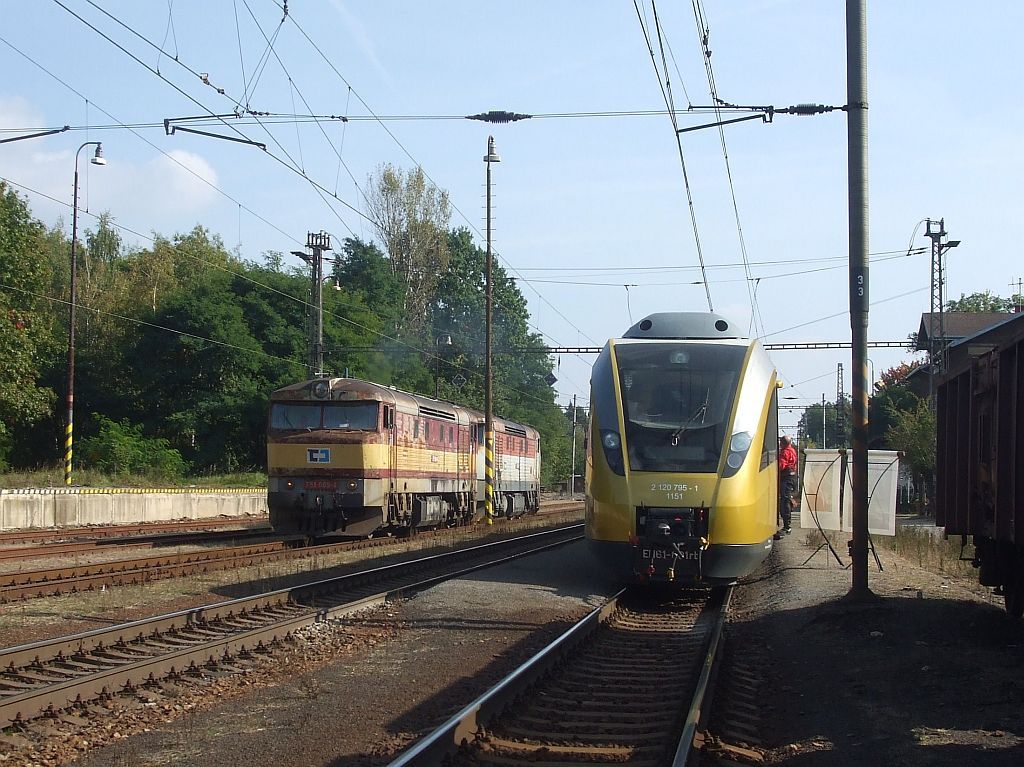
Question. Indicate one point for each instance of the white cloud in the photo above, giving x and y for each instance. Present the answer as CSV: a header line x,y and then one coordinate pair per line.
x,y
183,181
16,112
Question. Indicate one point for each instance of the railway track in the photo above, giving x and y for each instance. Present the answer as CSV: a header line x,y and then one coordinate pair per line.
x,y
49,676
16,537
107,545
626,685
54,581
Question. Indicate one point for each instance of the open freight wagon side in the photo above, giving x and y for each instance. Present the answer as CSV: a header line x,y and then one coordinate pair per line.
x,y
980,454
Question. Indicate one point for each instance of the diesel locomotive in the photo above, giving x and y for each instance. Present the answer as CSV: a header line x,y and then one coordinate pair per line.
x,y
351,457
681,456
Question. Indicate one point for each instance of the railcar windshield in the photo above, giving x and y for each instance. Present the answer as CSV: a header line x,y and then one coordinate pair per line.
x,y
307,416
676,401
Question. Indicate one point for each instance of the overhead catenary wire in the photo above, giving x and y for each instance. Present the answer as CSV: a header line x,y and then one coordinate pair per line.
x,y
666,92
704,33
558,281
153,146
290,165
317,187
275,118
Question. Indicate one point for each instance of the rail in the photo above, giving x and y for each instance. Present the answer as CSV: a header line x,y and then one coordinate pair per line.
x,y
443,745
55,674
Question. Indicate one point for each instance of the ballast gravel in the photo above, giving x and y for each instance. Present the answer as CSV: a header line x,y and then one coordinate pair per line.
x,y
352,692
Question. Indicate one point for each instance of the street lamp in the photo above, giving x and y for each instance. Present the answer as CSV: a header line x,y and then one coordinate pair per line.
x,y
441,341
69,429
490,157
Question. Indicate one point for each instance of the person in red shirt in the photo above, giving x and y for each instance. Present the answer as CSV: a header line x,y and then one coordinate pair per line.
x,y
787,481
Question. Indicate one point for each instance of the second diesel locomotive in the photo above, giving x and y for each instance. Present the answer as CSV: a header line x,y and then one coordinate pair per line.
x,y
352,457
681,459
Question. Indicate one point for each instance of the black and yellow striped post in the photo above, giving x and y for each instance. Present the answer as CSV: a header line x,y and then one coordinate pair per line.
x,y
489,475
69,432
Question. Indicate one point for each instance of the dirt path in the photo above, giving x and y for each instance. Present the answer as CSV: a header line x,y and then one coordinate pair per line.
x,y
930,672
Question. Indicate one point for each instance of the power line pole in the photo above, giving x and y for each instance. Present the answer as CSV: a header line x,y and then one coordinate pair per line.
x,y
857,174
823,421
318,243
572,475
840,410
490,157
936,232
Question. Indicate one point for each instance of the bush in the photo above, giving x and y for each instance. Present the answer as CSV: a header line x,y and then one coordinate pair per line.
x,y
120,449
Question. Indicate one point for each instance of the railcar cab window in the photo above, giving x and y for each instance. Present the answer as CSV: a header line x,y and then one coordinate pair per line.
x,y
677,400
307,416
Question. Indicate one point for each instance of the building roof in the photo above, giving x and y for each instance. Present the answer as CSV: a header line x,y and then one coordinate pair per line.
x,y
1010,329
956,325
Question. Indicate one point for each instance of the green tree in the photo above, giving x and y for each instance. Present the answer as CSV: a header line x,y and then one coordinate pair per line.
x,y
121,450
365,279
199,370
985,301
891,396
26,336
836,424
411,217
520,365
913,433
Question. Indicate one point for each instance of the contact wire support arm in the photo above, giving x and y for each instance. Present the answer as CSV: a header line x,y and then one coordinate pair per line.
x,y
763,113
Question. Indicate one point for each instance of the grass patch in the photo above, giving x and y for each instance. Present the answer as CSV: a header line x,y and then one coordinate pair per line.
x,y
922,546
54,477
930,550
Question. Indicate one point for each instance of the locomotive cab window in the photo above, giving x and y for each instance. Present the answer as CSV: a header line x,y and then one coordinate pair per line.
x,y
306,416
360,416
677,400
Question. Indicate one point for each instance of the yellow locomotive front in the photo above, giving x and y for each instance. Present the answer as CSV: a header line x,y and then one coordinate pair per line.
x,y
681,456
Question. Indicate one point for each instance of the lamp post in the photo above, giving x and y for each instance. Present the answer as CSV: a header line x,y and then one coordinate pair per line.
x,y
490,157
441,341
69,428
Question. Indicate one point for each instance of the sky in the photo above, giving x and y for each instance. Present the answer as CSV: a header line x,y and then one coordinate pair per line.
x,y
590,211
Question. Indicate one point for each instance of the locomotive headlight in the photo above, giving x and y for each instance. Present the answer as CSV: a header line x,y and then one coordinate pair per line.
x,y
352,485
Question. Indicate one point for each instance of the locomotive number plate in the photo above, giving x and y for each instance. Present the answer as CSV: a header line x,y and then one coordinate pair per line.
x,y
319,484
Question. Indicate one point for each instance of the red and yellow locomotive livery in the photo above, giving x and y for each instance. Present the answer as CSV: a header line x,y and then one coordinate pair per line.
x,y
351,457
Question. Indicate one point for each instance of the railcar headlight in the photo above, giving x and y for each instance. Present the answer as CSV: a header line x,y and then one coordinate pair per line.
x,y
739,442
612,444
738,447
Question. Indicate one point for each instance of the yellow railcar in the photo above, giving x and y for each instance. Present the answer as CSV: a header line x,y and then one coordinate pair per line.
x,y
681,459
